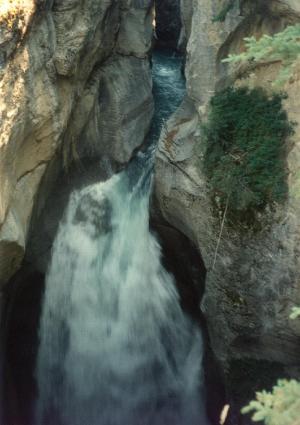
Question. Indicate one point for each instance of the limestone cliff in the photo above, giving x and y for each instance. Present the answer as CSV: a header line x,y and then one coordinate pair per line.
x,y
74,81
253,278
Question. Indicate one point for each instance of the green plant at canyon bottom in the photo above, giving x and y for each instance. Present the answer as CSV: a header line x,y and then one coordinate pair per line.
x,y
245,151
281,406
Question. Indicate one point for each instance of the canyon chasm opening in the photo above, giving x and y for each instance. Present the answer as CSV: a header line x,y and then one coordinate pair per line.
x,y
27,393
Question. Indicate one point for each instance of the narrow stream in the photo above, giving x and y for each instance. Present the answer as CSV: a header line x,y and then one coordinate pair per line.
x,y
168,88
115,346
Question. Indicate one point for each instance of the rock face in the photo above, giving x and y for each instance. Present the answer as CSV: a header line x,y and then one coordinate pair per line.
x,y
253,278
74,82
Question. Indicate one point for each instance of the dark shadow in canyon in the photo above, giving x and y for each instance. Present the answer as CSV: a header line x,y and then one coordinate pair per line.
x,y
21,321
168,23
181,258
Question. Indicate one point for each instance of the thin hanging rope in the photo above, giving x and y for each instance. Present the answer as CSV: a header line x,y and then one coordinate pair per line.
x,y
220,234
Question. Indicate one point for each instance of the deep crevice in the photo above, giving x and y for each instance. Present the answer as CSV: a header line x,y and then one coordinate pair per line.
x,y
23,300
182,258
168,23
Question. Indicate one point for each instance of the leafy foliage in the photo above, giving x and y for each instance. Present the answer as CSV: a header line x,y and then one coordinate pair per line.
x,y
283,46
295,313
245,150
281,406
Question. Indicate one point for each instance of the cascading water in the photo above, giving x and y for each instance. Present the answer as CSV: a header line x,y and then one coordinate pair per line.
x,y
115,346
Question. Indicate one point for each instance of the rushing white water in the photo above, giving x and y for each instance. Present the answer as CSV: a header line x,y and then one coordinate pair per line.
x,y
116,348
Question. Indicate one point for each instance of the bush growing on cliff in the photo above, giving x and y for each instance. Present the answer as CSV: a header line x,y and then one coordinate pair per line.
x,y
281,406
283,46
245,150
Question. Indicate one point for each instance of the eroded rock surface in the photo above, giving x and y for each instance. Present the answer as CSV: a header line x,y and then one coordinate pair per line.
x,y
253,278
74,80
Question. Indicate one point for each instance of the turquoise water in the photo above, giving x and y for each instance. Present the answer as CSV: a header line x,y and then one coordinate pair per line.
x,y
168,88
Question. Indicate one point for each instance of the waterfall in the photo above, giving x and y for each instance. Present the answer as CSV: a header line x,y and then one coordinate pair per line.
x,y
115,345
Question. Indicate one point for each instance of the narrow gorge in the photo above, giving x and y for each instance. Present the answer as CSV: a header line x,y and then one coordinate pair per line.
x,y
149,211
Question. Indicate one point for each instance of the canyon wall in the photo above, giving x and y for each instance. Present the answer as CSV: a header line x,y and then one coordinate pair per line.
x,y
75,82
253,277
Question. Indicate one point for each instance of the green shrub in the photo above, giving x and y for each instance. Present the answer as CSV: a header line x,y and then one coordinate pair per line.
x,y
245,151
281,406
295,313
283,46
